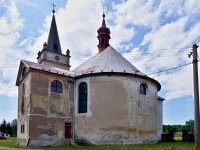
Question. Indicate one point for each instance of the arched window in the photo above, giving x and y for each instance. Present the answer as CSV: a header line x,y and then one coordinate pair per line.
x,y
56,86
82,98
143,89
23,71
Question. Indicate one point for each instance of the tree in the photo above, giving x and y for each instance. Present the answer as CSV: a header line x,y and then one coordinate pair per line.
x,y
190,125
3,126
14,126
9,129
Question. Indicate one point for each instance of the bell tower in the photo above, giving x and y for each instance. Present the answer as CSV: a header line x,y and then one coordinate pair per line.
x,y
103,35
51,53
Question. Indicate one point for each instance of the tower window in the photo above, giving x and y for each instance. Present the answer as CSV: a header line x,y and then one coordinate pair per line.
x,y
55,46
102,40
23,71
82,98
143,89
56,86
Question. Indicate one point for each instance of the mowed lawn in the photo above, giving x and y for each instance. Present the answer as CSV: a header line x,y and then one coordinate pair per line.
x,y
176,145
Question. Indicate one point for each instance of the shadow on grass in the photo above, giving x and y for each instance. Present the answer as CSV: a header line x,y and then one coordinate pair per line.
x,y
175,145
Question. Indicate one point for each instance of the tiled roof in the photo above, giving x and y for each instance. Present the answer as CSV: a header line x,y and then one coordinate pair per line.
x,y
109,60
47,68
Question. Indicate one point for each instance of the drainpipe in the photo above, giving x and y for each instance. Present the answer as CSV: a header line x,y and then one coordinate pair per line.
x,y
74,110
73,113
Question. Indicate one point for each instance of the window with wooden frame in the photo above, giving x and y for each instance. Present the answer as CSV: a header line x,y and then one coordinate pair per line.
x,y
56,86
82,98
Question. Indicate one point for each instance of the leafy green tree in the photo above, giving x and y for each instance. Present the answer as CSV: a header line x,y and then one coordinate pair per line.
x,y
190,125
14,127
3,126
9,129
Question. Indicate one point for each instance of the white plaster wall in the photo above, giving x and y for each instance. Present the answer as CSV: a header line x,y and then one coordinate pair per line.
x,y
51,56
117,111
24,119
48,58
160,119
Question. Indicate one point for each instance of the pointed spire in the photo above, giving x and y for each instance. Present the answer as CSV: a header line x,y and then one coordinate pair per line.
x,y
103,35
53,39
103,22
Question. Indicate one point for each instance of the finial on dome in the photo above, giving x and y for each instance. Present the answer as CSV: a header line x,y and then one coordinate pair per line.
x,y
103,15
53,11
103,7
103,34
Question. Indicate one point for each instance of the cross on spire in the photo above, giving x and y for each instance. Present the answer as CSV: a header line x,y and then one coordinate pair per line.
x,y
53,8
103,7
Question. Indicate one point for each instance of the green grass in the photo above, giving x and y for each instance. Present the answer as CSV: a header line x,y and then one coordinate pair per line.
x,y
9,143
176,145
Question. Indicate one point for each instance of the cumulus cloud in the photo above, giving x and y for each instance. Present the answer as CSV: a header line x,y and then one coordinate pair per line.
x,y
165,26
11,24
77,26
170,39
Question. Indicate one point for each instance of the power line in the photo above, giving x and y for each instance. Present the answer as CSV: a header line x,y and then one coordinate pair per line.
x,y
170,69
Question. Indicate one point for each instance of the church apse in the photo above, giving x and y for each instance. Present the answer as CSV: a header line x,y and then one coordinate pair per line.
x,y
131,119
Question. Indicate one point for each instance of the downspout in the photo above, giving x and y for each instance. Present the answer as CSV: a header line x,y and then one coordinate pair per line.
x,y
73,113
74,110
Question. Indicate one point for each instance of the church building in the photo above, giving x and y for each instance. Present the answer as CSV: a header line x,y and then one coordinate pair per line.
x,y
105,100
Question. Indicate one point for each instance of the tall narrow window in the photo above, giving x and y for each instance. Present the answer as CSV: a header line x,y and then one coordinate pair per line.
x,y
55,46
56,86
21,129
143,89
82,98
23,71
102,40
23,95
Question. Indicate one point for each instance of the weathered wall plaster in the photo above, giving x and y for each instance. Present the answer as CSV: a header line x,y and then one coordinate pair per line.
x,y
48,111
117,112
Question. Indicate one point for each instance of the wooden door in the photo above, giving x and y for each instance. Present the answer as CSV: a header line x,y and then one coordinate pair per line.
x,y
67,130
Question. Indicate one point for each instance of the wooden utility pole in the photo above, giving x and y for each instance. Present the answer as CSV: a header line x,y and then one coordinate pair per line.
x,y
196,98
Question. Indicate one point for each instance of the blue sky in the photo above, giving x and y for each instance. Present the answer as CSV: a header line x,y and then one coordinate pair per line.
x,y
153,35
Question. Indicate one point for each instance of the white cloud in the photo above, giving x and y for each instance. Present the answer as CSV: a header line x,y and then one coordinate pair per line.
x,y
11,24
78,30
137,12
161,41
166,21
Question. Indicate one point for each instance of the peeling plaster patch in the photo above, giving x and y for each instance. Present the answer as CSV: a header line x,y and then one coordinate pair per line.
x,y
45,136
60,133
49,129
127,116
38,101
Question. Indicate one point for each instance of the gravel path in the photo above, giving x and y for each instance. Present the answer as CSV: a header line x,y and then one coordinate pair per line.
x,y
10,148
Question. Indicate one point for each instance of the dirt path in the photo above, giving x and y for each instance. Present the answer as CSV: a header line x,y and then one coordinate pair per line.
x,y
10,148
